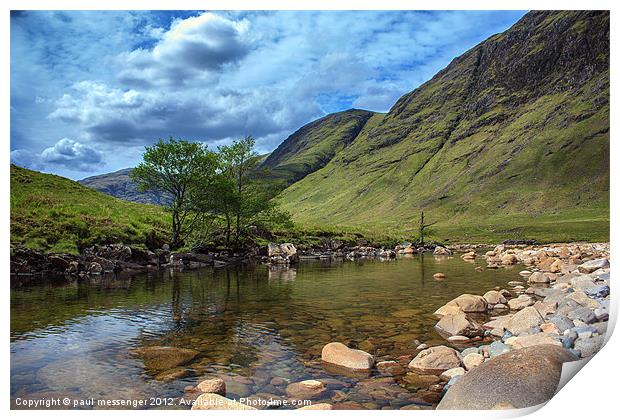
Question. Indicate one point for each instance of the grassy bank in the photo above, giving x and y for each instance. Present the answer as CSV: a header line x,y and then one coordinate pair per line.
x,y
55,214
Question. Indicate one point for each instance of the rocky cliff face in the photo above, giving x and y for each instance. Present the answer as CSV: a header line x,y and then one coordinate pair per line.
x,y
518,125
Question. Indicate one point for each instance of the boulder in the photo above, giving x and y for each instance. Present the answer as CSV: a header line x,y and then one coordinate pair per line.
x,y
533,340
340,355
452,373
472,360
522,378
469,303
160,358
523,301
523,320
390,367
459,324
539,277
208,401
509,259
435,360
306,390
494,297
589,346
439,276
440,250
593,265
212,386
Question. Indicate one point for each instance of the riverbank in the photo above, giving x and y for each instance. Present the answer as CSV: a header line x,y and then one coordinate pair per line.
x,y
503,349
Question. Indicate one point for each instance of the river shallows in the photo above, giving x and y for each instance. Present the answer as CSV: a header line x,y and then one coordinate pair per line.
x,y
249,325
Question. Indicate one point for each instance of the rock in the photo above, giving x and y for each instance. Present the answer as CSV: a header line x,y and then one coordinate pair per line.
x,y
520,302
469,303
593,265
497,348
539,277
390,367
439,276
601,314
458,339
448,309
472,360
159,358
523,320
562,323
95,268
421,381
320,406
549,328
533,340
303,390
440,250
525,273
451,373
435,360
458,324
173,374
589,346
340,355
599,291
422,347
522,378
582,314
581,282
212,386
509,259
217,402
494,297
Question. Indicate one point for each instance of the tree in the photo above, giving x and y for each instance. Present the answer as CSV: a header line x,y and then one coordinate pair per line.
x,y
244,197
184,170
422,227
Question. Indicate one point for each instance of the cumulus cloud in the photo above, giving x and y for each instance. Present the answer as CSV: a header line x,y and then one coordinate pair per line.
x,y
193,48
66,153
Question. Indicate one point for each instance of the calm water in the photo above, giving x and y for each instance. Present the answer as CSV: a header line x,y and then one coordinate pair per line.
x,y
249,324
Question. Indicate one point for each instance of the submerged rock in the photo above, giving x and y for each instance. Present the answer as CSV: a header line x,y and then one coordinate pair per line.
x,y
309,389
521,378
340,355
160,358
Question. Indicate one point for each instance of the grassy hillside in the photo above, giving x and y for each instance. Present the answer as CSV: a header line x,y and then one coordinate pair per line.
x,y
312,146
511,140
55,214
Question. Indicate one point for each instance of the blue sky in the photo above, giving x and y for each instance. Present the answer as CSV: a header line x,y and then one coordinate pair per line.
x,y
89,89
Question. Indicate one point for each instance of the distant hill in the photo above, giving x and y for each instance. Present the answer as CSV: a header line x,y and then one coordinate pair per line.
x,y
52,213
119,185
509,140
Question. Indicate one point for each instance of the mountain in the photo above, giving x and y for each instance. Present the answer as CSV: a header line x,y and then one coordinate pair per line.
x,y
52,213
119,185
511,139
315,144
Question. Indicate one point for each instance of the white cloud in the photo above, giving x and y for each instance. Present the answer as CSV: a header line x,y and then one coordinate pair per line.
x,y
65,153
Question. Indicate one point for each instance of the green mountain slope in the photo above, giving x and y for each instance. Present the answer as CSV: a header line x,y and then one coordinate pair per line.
x,y
510,140
119,185
52,213
315,144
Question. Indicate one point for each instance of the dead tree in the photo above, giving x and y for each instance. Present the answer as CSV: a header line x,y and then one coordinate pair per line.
x,y
422,227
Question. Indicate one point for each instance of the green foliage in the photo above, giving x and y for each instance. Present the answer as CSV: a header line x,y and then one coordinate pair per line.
x,y
186,171
55,214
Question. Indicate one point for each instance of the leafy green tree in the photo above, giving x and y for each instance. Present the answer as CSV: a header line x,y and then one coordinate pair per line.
x,y
187,171
244,195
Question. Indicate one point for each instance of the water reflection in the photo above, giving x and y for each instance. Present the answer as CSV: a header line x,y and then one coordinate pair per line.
x,y
249,325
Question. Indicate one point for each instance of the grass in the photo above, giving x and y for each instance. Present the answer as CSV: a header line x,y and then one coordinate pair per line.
x,y
54,214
